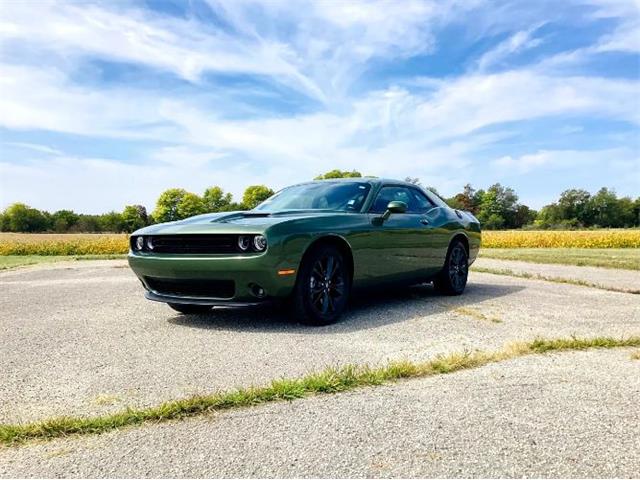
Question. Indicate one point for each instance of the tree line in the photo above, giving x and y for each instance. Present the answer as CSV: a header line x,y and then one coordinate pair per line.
x,y
497,207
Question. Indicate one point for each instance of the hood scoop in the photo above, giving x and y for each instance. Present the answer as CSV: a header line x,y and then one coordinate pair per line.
x,y
239,215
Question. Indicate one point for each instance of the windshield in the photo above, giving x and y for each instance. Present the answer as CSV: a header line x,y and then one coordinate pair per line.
x,y
346,197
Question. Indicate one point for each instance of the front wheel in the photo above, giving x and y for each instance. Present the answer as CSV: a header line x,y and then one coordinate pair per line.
x,y
453,278
190,309
322,287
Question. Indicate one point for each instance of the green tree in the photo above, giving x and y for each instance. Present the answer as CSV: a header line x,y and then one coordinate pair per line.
x,y
64,220
574,204
215,200
3,223
524,216
22,218
134,217
167,205
88,223
492,221
111,222
636,212
604,209
465,200
190,205
339,174
255,194
498,205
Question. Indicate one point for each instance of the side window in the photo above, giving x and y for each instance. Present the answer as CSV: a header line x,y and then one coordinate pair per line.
x,y
400,194
423,203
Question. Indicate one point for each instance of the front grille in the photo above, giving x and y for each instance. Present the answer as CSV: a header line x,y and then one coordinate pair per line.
x,y
193,243
192,287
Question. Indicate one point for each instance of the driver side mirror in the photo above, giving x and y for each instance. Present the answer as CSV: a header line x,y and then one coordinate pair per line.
x,y
394,207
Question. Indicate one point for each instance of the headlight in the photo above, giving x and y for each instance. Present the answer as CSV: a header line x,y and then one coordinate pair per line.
x,y
244,242
260,243
150,243
140,243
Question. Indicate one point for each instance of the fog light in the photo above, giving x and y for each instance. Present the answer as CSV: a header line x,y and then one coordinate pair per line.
x,y
259,243
140,243
257,290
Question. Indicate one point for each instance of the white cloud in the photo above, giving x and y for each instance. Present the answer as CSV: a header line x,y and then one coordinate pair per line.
x,y
428,128
34,147
568,159
518,42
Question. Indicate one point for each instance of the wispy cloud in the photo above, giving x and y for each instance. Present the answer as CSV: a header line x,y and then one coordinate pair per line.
x,y
516,43
277,92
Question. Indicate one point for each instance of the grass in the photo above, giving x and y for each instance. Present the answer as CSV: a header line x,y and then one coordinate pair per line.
x,y
635,355
15,261
627,258
537,276
330,380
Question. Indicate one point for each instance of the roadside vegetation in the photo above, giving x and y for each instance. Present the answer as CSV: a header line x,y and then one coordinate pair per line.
x,y
622,238
331,380
498,208
626,258
14,261
63,244
547,278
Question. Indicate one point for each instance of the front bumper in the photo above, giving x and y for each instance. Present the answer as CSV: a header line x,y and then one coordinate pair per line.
x,y
156,297
246,271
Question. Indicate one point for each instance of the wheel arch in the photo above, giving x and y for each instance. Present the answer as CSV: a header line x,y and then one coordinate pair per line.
x,y
337,241
461,237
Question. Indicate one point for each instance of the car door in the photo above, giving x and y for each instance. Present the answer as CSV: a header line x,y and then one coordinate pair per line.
x,y
400,245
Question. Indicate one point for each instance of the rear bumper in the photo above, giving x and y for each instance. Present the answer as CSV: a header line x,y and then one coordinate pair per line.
x,y
245,271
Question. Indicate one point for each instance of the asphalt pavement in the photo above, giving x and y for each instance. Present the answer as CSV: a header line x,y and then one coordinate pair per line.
x,y
80,339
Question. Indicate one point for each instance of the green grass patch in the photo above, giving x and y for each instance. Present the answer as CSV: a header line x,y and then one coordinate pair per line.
x,y
626,258
537,276
328,381
15,261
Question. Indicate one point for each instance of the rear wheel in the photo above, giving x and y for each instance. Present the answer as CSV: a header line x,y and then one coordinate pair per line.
x,y
452,280
322,288
190,309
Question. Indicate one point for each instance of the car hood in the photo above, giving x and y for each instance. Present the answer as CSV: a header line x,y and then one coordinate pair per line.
x,y
234,222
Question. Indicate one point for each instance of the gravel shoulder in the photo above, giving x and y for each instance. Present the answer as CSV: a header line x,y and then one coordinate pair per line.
x,y
617,279
80,338
560,415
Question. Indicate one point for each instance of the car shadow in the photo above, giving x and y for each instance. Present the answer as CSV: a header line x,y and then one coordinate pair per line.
x,y
367,310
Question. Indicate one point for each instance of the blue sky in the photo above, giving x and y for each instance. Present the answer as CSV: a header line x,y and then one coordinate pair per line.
x,y
104,104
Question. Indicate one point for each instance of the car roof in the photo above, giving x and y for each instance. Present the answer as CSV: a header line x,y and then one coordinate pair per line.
x,y
371,180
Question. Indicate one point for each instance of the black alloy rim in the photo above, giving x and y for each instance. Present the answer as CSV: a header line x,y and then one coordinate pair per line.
x,y
326,285
458,267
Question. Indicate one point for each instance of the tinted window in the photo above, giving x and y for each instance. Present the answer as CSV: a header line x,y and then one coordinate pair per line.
x,y
416,201
347,196
423,203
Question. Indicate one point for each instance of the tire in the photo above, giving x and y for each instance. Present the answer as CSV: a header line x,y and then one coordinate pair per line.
x,y
190,309
452,280
322,289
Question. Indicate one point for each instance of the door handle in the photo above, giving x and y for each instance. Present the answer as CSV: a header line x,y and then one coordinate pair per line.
x,y
424,221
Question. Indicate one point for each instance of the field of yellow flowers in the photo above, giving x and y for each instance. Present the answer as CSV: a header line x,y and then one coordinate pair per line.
x,y
63,244
621,238
113,244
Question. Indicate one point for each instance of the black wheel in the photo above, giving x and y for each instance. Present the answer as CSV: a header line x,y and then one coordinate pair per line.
x,y
453,278
190,309
322,287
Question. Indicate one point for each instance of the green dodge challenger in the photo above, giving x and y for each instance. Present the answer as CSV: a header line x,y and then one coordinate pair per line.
x,y
309,245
